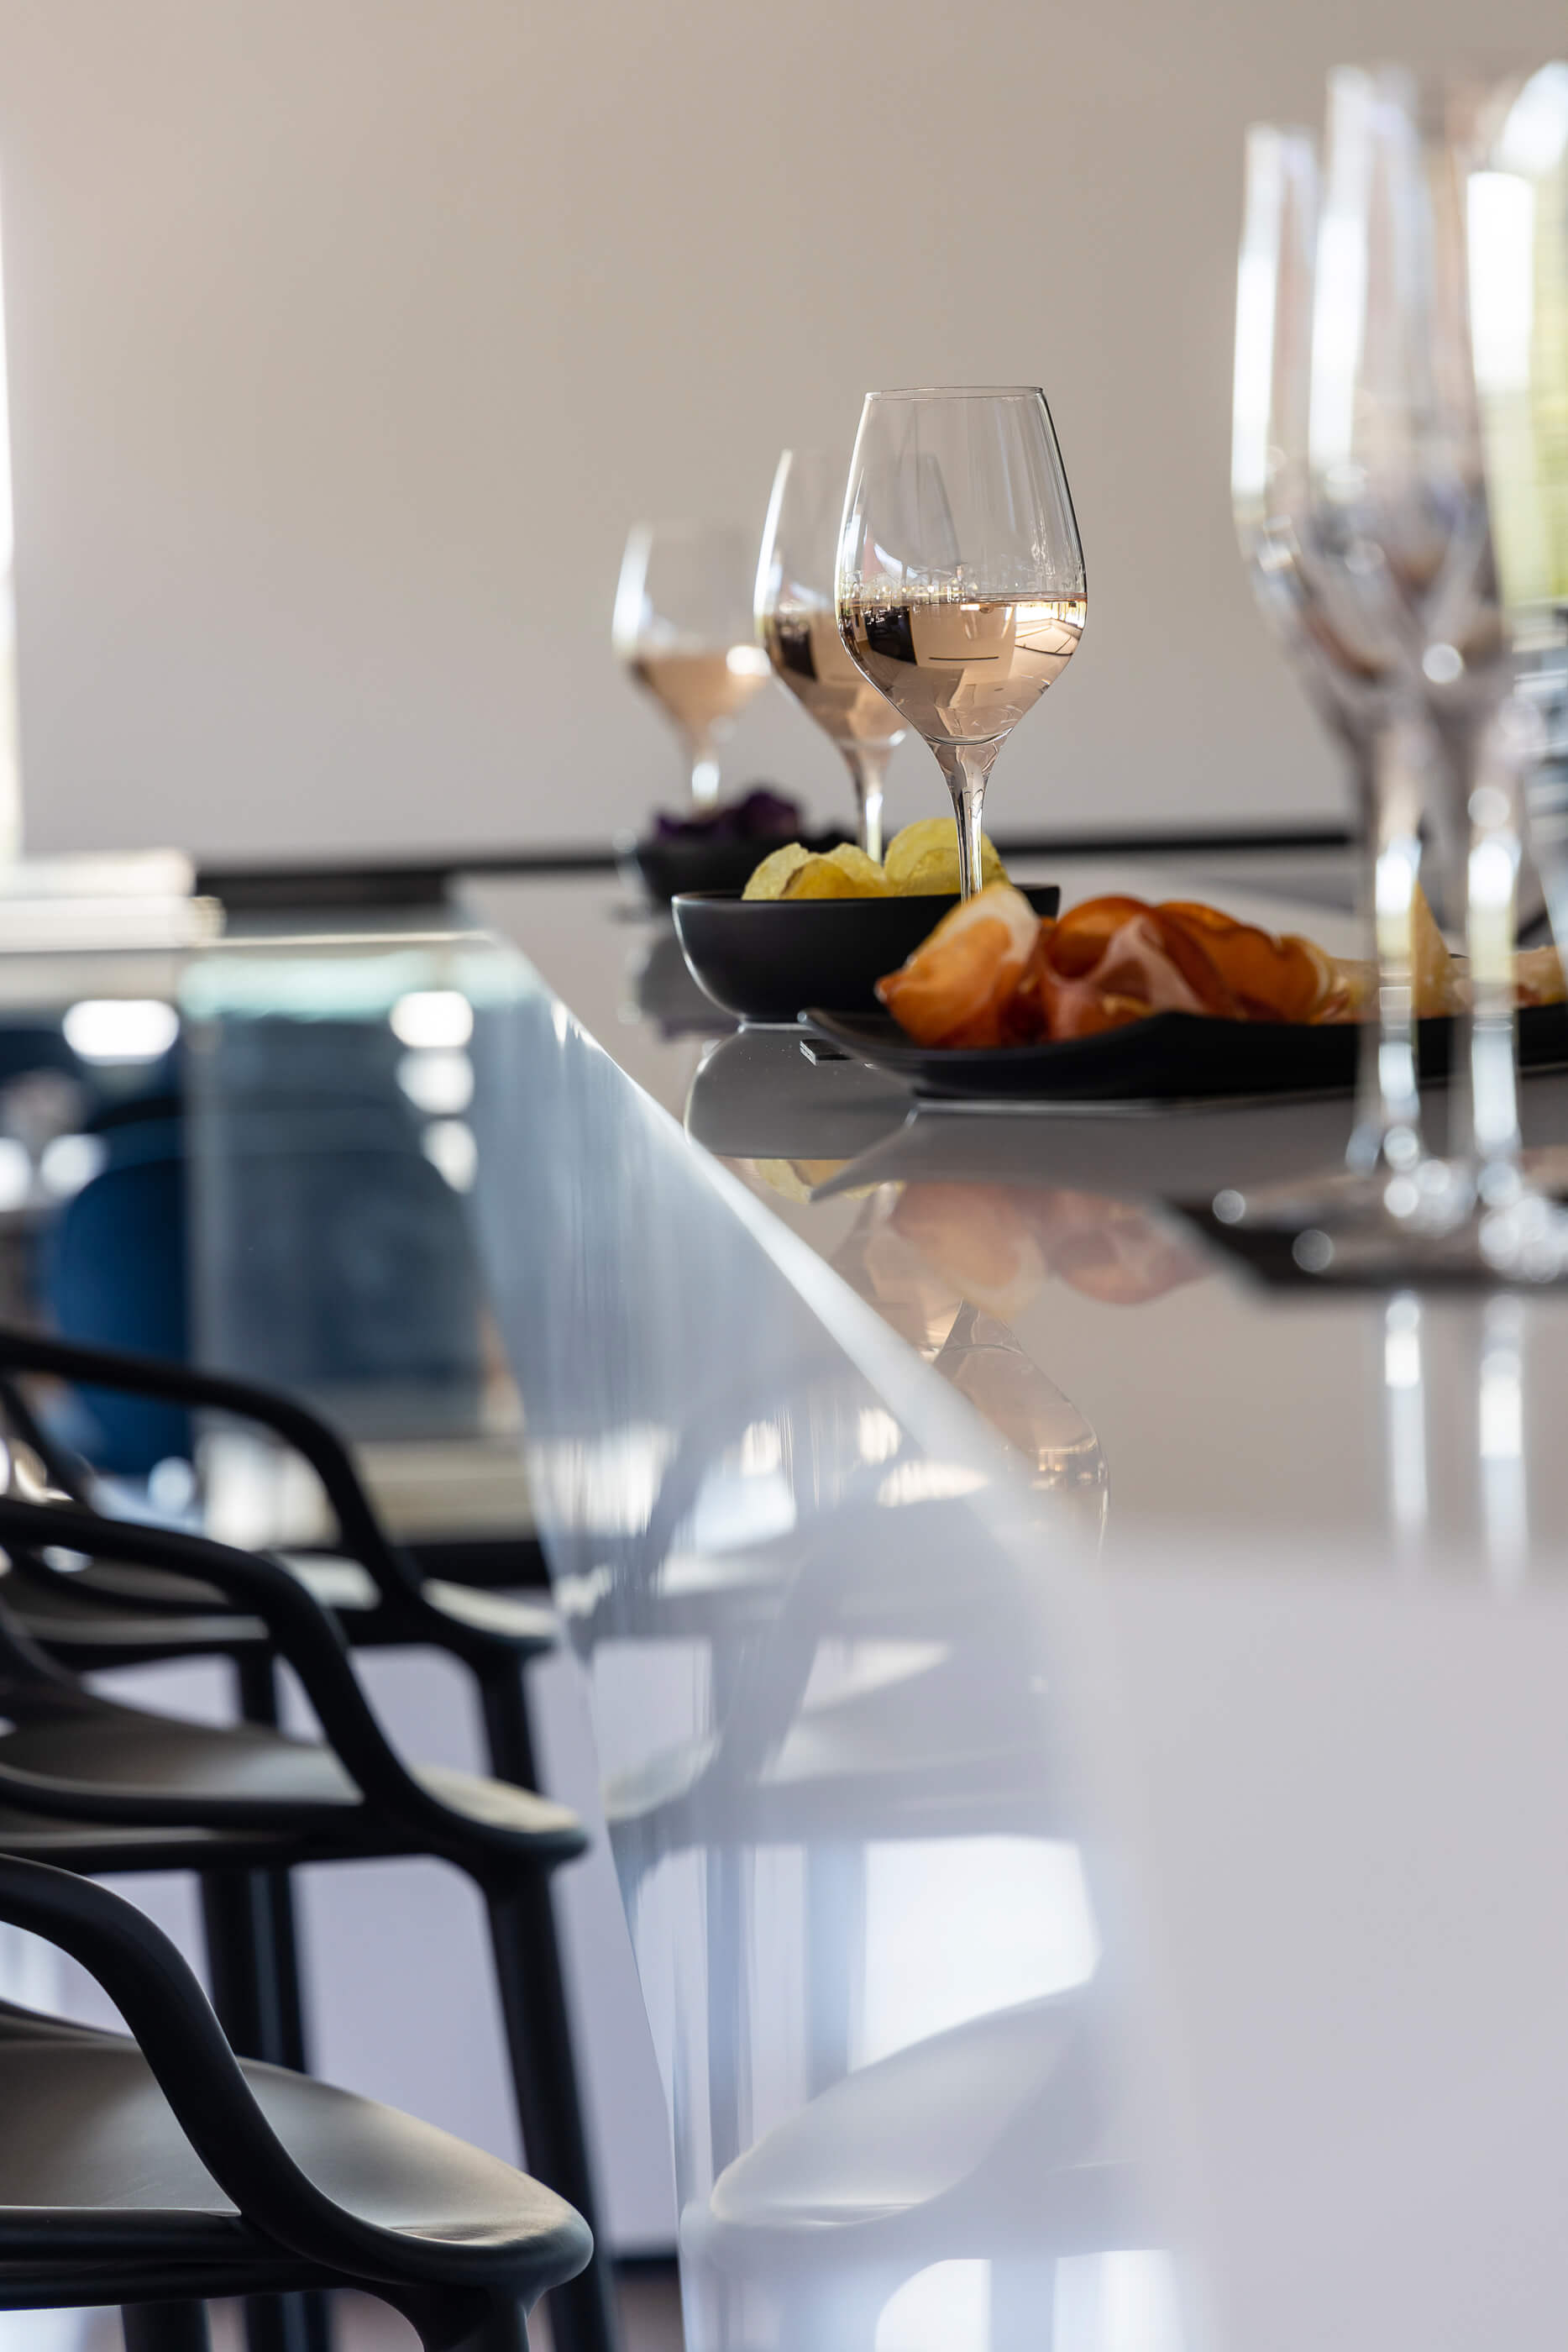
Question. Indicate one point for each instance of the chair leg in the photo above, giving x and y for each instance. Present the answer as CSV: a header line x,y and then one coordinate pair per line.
x,y
270,1937
508,1725
249,1923
288,2322
460,2319
164,2327
253,1965
549,2109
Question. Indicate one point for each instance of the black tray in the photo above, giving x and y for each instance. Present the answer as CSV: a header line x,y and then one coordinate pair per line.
x,y
763,958
1170,1058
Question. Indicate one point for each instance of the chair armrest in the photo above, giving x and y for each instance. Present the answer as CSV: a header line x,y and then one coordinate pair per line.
x,y
305,1634
359,1529
64,1469
172,2024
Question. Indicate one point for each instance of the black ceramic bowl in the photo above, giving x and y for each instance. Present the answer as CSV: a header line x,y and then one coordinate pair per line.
x,y
666,867
765,959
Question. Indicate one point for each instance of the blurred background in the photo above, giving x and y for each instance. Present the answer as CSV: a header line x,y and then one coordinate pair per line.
x,y
347,337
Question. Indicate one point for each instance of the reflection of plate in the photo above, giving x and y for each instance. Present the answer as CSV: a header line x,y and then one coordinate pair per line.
x,y
756,1096
1171,1058
1178,1153
765,957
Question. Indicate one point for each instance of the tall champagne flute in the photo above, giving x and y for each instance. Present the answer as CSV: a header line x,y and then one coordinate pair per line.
x,y
684,628
1511,143
1521,342
1361,696
798,623
1404,529
960,587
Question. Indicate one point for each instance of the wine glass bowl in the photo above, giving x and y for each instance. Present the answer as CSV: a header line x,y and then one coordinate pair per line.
x,y
684,629
961,585
797,622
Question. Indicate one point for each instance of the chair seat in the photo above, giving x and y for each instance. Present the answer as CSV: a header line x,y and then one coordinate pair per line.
x,y
120,1607
91,1630
94,2165
502,1806
129,1759
530,1626
121,1762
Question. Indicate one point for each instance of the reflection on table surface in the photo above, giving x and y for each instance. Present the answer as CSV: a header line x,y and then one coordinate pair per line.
x,y
1214,1402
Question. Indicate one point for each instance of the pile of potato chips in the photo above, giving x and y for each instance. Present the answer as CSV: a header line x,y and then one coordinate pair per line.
x,y
922,862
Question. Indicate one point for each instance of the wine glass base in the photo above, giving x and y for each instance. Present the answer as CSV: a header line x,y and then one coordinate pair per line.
x,y
1380,1202
1358,1225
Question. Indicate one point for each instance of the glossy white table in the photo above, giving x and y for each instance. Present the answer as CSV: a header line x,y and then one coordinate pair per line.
x,y
1084,1738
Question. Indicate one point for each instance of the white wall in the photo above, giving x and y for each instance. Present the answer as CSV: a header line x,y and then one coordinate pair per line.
x,y
347,336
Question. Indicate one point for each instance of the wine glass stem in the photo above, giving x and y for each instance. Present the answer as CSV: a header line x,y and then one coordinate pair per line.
x,y
966,767
1387,1130
704,773
1491,912
867,764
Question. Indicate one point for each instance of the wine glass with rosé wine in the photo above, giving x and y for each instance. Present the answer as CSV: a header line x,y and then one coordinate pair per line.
x,y
960,587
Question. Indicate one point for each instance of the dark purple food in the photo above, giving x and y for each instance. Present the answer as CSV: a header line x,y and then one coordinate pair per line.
x,y
760,814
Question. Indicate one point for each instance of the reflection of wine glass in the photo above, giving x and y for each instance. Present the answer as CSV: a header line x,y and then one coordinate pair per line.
x,y
960,583
797,622
684,628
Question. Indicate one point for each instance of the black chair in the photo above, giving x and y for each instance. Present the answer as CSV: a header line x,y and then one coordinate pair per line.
x,y
372,1585
102,1787
156,2172
113,1614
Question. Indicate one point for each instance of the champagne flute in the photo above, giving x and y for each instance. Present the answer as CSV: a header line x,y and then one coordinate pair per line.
x,y
1521,334
961,585
1404,513
798,623
1358,692
684,628
1512,148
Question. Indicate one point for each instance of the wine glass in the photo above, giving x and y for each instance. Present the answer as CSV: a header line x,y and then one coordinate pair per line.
x,y
960,586
1521,337
1390,540
1412,255
798,623
1364,699
1511,144
684,628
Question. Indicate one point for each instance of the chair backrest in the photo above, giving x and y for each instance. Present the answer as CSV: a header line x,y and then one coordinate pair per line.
x,y
115,1276
297,1223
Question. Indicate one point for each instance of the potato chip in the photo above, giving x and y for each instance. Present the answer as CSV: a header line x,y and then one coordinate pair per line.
x,y
823,878
867,875
768,879
922,859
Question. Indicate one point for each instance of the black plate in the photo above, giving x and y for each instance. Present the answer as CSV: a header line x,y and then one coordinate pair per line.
x,y
1170,1058
765,957
666,867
